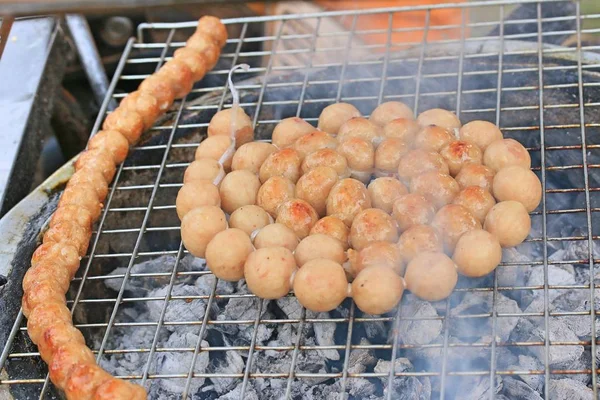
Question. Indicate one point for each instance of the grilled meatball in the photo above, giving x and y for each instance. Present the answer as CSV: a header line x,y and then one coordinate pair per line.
x,y
297,215
72,212
377,290
41,293
82,195
227,252
457,153
69,232
431,276
481,133
361,128
196,194
114,389
519,184
222,124
92,177
238,188
199,226
452,221
372,225
346,199
314,141
127,122
112,142
215,147
436,116
249,219
438,188
204,169
389,111
412,209
360,155
326,158
418,239
433,138
273,192
268,272
509,222
505,153
335,115
384,192
97,160
477,253
65,358
314,187
333,227
285,163
206,46
42,317
475,175
58,334
84,380
319,246
404,129
417,162
178,75
155,86
194,60
251,156
276,235
321,285
376,254
477,200
64,254
289,130
47,271
145,104
213,27
388,155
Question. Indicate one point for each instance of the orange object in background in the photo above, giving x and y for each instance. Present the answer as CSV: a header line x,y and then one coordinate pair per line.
x,y
404,20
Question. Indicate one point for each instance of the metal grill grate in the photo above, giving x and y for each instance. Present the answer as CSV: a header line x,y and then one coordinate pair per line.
x,y
447,69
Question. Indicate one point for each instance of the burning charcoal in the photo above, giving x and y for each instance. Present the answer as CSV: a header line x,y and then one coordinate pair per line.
x,y
516,389
130,362
177,310
205,284
324,333
557,275
569,389
476,388
250,394
528,363
400,365
410,388
513,275
232,364
421,331
291,307
360,359
140,286
244,309
360,388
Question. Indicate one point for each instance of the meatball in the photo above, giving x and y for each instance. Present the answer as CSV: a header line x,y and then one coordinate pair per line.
x,y
431,276
113,142
297,215
72,212
119,389
477,253
319,246
333,227
335,115
41,318
65,359
433,138
238,188
82,195
372,225
412,209
285,163
155,86
249,218
204,169
69,232
509,222
388,155
384,192
144,104
251,156
314,187
452,221
362,128
436,116
227,252
505,153
480,133
97,160
389,111
269,272
194,60
178,75
477,200
376,254
213,27
360,155
199,226
84,380
273,192
417,162
206,47
418,239
47,271
346,199
312,142
404,129
457,153
519,184
127,122
321,285
377,290
438,188
289,130
56,335
276,235
215,147
40,293
225,123
64,254
91,177
326,158
475,175
196,194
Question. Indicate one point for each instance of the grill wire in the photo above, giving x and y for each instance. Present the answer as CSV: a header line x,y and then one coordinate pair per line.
x,y
175,153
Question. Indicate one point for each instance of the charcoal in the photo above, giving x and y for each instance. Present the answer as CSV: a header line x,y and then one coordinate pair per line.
x,y
401,364
518,390
324,333
528,363
422,331
476,388
244,309
129,362
569,389
410,388
360,388
140,286
205,283
291,307
232,364
177,310
377,331
236,393
360,359
557,275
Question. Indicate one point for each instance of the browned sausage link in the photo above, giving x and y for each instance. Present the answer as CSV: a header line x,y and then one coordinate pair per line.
x,y
74,213
127,122
92,177
144,104
40,318
65,359
97,160
114,142
84,380
82,195
118,389
41,293
69,232
161,90
63,254
206,46
178,75
213,27
56,335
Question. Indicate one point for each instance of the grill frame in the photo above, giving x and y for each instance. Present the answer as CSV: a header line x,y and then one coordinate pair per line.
x,y
348,346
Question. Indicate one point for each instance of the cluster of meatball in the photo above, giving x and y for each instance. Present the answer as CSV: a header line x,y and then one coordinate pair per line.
x,y
360,207
72,366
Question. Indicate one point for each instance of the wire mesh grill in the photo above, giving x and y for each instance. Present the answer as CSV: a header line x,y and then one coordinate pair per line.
x,y
139,222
